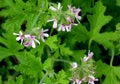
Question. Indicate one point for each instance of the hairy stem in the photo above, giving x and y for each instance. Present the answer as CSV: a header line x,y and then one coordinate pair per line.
x,y
112,57
89,44
36,19
42,80
51,31
61,60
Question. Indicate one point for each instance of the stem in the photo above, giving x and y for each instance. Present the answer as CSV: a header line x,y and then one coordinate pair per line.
x,y
89,44
36,19
112,57
42,80
92,2
61,60
51,31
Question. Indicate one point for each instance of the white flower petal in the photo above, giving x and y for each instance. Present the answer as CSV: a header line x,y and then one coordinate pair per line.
x,y
43,40
45,30
68,29
59,5
52,8
18,38
79,17
55,24
59,29
20,32
15,34
46,35
21,41
37,41
63,29
33,44
27,36
50,20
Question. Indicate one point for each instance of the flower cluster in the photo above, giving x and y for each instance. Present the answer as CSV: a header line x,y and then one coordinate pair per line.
x,y
85,72
29,40
64,20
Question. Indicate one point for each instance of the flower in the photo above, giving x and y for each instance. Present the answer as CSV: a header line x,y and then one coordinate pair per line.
x,y
30,41
75,81
71,23
75,12
74,65
92,79
90,54
54,22
43,34
20,36
55,9
63,27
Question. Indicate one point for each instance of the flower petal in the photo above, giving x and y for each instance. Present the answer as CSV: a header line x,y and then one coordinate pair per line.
x,y
59,5
52,8
26,44
15,34
37,41
18,38
50,20
27,36
33,44
46,35
43,40
55,24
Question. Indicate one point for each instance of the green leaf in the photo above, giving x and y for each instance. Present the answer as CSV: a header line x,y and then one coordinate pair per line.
x,y
51,42
9,45
4,53
29,64
111,73
61,78
101,69
65,51
98,19
47,64
106,39
65,4
118,2
113,76
80,33
78,54
19,80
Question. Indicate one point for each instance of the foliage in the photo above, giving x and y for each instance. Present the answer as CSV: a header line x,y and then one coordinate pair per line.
x,y
46,41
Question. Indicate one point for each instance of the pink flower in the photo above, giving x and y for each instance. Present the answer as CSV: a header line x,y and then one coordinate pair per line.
x,y
76,81
74,65
63,27
30,41
71,21
75,12
90,54
92,79
20,36
43,34
54,22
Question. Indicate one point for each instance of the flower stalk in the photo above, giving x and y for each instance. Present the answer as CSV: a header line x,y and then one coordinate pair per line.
x,y
112,57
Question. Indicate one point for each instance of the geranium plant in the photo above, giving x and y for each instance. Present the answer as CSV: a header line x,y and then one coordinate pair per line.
x,y
59,42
